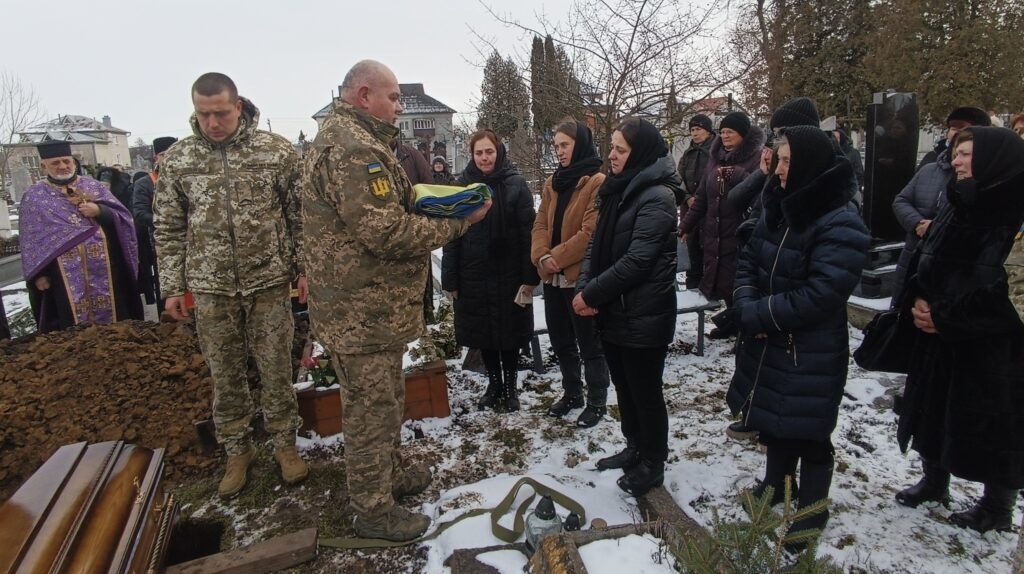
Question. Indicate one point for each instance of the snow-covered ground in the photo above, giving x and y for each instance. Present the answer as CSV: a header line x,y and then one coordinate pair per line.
x,y
867,532
15,298
478,456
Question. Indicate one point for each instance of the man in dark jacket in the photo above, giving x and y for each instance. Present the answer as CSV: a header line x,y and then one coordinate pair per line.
x,y
142,210
691,170
924,195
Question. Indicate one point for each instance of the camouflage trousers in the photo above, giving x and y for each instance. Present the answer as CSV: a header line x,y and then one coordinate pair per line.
x,y
1015,276
373,395
231,328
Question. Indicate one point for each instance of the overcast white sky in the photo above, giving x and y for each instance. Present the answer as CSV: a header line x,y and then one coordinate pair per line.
x,y
136,60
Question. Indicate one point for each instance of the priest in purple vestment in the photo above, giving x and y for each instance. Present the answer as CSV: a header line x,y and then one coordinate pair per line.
x,y
79,251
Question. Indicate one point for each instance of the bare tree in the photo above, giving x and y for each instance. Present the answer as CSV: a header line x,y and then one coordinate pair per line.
x,y
633,56
19,109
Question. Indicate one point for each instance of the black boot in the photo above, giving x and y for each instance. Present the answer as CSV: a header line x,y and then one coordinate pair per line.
x,y
779,464
590,416
933,487
562,406
627,458
815,482
493,392
642,477
993,512
511,389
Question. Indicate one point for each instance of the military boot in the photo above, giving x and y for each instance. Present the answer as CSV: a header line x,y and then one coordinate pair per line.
x,y
293,468
410,479
236,473
626,459
511,389
493,392
396,524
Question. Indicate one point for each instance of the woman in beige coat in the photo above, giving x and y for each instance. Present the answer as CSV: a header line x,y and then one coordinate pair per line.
x,y
561,234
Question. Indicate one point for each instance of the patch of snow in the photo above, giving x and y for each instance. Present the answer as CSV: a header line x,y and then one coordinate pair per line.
x,y
634,554
504,561
874,304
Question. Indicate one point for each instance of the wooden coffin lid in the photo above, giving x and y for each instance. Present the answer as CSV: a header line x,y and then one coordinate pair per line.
x,y
85,510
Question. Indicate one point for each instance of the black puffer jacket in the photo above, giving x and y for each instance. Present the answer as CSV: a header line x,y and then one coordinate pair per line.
x,y
636,296
965,386
794,277
487,266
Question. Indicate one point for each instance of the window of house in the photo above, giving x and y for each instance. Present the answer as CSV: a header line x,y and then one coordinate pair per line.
x,y
403,125
423,124
31,161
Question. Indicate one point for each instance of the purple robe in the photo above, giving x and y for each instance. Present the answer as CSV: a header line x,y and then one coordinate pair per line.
x,y
55,236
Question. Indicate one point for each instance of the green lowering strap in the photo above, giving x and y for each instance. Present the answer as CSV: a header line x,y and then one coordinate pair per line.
x,y
504,534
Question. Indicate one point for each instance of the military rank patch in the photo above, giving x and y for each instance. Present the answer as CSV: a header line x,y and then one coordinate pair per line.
x,y
373,168
381,187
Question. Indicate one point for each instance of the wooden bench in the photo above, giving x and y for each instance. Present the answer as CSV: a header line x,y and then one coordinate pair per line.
x,y
700,310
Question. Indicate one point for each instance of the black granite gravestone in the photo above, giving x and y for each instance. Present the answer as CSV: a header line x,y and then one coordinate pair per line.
x,y
891,156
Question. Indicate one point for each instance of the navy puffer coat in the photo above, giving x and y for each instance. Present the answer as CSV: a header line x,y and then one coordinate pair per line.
x,y
794,276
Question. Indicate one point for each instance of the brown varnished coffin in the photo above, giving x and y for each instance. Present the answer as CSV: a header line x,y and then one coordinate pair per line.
x,y
98,508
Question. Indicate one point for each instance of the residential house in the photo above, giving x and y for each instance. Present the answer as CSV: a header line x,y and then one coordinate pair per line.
x,y
426,124
92,142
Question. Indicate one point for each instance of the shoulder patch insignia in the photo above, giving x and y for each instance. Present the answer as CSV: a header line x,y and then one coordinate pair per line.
x,y
381,187
373,168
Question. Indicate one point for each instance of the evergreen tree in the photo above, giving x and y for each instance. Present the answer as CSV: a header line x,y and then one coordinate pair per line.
x,y
538,85
952,53
504,98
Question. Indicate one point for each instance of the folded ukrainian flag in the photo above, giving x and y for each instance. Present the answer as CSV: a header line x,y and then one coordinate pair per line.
x,y
450,200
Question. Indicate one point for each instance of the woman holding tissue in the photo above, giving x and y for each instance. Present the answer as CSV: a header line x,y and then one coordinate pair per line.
x,y
628,282
565,222
489,274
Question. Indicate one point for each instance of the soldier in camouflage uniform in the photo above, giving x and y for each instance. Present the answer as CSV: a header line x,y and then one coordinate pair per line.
x,y
364,256
1015,274
227,227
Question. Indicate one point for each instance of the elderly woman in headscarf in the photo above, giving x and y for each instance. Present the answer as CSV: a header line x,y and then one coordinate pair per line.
x,y
802,262
965,382
561,233
628,283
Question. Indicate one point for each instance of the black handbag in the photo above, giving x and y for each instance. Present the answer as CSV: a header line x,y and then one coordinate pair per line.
x,y
886,345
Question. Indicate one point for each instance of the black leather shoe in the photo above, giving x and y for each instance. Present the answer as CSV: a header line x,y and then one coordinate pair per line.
x,y
993,512
492,394
924,491
740,431
562,406
719,334
627,458
642,478
590,416
982,519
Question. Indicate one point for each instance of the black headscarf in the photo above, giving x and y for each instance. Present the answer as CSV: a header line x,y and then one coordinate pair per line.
x,y
498,244
998,155
584,162
812,154
472,173
647,146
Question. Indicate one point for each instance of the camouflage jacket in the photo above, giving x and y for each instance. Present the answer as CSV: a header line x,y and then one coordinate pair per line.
x,y
1015,275
226,216
366,252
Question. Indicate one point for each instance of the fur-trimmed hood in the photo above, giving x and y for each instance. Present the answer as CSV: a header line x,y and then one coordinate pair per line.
x,y
800,208
751,145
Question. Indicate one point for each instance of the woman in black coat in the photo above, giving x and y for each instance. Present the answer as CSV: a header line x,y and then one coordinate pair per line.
x,y
486,269
794,276
628,283
965,382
